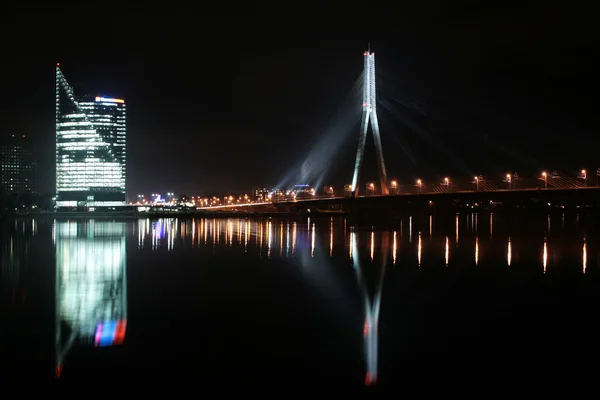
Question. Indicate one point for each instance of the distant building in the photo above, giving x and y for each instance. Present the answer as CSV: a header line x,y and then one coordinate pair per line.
x,y
261,194
17,166
90,149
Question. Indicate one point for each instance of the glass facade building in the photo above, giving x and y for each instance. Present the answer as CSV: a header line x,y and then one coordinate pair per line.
x,y
90,149
17,166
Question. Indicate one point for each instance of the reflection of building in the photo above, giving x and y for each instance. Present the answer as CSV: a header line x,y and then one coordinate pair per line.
x,y
91,290
16,243
90,149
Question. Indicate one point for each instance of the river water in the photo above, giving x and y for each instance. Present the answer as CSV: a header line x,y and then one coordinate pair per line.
x,y
441,303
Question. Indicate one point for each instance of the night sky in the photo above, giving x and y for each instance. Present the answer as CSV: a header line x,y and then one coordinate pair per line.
x,y
221,103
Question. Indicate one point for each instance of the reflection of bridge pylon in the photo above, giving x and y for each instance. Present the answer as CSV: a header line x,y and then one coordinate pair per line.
x,y
372,306
91,285
369,114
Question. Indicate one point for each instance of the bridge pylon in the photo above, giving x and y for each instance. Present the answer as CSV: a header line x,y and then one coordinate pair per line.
x,y
369,115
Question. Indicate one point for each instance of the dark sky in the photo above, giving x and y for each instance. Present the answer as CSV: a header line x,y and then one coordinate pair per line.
x,y
225,100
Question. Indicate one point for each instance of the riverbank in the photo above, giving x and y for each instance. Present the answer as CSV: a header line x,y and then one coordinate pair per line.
x,y
62,215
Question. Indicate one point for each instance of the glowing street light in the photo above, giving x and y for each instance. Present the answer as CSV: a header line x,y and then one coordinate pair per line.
x,y
371,186
584,176
394,185
447,183
477,183
509,180
545,179
420,185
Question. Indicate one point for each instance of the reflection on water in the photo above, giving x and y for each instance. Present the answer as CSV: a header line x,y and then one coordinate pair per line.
x,y
584,256
277,238
18,239
545,255
91,289
91,286
371,305
509,252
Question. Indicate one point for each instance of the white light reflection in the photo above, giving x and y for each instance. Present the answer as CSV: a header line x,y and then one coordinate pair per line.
x,y
419,250
171,238
213,227
280,239
312,241
294,238
430,226
410,229
545,255
370,327
447,250
269,239
91,287
477,250
229,233
394,249
509,252
476,222
352,239
584,255
193,233
456,233
491,224
331,238
287,245
246,235
549,223
372,245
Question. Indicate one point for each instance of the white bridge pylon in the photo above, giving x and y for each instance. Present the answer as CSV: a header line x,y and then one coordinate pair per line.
x,y
369,114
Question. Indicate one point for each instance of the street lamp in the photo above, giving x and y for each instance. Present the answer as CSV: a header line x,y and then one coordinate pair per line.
x,y
371,186
447,183
394,185
509,180
584,176
545,179
477,183
420,185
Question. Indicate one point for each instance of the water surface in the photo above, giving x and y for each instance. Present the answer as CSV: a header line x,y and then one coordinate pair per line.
x,y
452,301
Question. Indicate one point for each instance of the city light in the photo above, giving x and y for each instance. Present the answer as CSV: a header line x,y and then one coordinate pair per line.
x,y
90,150
369,116
109,100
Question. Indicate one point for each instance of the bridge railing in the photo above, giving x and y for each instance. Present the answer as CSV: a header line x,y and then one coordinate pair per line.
x,y
484,185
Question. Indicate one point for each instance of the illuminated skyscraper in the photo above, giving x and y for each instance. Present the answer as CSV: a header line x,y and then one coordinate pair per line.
x,y
90,149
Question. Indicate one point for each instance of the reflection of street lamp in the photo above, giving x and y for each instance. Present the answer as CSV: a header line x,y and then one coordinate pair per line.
x,y
394,185
420,185
545,179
